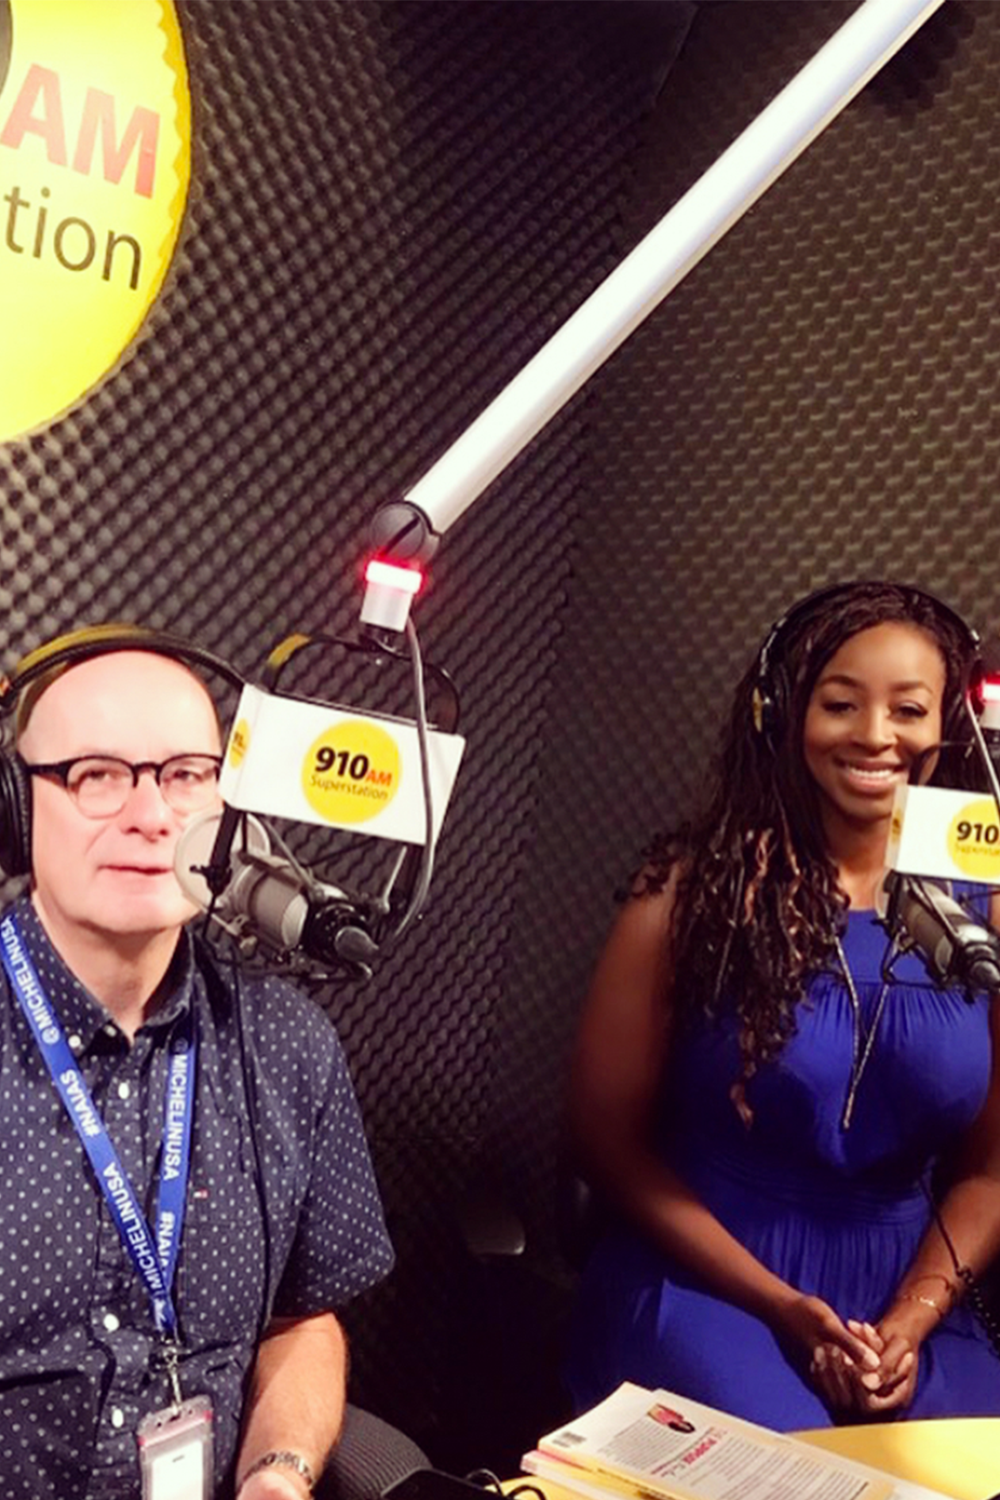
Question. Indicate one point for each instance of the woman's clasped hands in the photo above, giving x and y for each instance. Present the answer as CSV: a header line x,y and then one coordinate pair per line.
x,y
860,1370
875,1374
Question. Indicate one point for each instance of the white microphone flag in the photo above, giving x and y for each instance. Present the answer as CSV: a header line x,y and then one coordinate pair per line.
x,y
328,764
941,832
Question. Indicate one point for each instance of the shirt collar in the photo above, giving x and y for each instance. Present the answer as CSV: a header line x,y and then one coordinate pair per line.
x,y
84,1018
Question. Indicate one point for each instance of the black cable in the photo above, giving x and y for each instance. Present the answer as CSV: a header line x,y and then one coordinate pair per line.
x,y
486,1479
419,893
984,753
253,1122
973,1291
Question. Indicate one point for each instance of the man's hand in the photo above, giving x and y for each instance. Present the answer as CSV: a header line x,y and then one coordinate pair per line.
x,y
296,1404
274,1484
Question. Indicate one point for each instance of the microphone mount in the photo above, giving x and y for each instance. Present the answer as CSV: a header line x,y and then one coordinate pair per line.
x,y
273,902
279,907
957,949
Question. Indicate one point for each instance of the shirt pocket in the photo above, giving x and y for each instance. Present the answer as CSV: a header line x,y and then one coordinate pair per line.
x,y
219,1288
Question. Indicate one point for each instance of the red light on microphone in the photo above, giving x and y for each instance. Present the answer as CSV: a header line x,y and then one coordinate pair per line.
x,y
389,590
990,689
390,575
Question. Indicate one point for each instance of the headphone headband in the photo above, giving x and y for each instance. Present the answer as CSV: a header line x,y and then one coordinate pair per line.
x,y
770,689
101,640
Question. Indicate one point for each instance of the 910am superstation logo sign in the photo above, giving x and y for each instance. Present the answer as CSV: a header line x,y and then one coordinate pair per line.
x,y
95,154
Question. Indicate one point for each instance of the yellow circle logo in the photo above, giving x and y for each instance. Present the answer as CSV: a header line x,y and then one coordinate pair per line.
x,y
974,841
351,773
239,743
95,154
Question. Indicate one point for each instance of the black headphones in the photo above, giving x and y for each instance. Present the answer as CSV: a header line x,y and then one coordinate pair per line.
x,y
64,652
772,688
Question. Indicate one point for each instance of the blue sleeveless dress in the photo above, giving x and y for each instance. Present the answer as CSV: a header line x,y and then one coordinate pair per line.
x,y
837,1213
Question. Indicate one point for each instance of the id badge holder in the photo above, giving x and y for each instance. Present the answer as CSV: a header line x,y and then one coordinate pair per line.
x,y
175,1452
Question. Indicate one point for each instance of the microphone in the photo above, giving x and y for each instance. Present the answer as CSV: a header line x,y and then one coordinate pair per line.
x,y
958,951
270,900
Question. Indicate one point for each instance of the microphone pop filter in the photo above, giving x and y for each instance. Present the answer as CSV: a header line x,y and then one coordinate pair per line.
x,y
194,851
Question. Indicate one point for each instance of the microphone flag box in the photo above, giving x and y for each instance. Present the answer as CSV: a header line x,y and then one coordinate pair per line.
x,y
327,764
941,831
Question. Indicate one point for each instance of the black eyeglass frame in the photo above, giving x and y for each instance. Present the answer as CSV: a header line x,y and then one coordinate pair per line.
x,y
61,769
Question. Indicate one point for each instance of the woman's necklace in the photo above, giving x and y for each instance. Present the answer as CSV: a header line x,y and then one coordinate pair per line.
x,y
862,1043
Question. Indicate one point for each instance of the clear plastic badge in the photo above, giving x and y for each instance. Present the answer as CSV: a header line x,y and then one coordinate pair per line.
x,y
175,1452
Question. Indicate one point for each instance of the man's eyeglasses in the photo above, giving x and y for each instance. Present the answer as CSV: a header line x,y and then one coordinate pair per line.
x,y
100,784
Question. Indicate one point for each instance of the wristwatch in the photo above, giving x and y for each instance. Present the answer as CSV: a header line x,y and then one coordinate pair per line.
x,y
282,1458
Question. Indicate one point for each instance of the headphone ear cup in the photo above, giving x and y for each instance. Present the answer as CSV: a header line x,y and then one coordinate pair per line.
x,y
15,816
763,711
768,707
777,716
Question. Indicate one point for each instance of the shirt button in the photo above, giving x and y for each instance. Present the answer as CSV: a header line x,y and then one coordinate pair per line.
x,y
111,1029
117,1417
75,1042
111,1322
124,1090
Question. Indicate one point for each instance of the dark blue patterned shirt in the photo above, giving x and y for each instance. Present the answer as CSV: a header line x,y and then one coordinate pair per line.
x,y
78,1349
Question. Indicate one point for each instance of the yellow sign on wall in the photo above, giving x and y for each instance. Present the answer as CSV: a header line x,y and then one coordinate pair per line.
x,y
95,156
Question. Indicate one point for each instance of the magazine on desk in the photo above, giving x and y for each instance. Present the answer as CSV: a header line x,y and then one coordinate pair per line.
x,y
641,1443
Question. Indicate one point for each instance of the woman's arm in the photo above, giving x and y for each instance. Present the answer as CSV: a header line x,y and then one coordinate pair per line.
x,y
971,1214
617,1075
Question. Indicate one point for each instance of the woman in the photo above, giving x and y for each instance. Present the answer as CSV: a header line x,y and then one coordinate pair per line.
x,y
760,1103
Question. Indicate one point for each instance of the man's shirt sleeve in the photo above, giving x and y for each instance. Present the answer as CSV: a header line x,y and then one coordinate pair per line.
x,y
341,1245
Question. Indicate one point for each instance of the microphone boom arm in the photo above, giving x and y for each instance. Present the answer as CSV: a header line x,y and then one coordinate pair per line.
x,y
407,530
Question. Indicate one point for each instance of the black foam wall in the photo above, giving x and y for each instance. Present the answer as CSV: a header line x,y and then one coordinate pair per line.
x,y
393,205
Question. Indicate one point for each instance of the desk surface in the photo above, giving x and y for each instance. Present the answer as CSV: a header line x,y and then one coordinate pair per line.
x,y
960,1456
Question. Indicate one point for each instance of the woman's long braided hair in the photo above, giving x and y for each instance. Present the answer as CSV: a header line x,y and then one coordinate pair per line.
x,y
758,904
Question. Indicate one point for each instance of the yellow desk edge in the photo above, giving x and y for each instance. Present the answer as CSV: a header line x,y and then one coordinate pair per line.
x,y
959,1456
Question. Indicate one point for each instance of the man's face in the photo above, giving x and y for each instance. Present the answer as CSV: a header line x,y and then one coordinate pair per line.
x,y
113,877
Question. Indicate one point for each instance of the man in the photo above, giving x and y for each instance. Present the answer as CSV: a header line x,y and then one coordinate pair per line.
x,y
276,1193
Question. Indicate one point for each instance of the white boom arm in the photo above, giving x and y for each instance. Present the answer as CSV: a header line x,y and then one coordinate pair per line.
x,y
814,97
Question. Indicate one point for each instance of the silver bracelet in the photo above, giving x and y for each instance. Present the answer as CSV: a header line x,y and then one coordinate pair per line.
x,y
287,1460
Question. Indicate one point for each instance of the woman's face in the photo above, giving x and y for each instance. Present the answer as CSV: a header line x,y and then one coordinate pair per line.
x,y
876,706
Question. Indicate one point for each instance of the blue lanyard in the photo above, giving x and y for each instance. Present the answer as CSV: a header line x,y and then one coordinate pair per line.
x,y
154,1260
